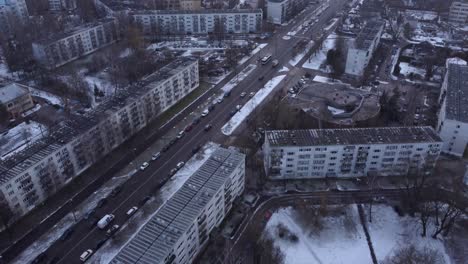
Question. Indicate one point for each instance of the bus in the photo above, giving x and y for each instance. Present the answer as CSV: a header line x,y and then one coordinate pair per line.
x,y
266,59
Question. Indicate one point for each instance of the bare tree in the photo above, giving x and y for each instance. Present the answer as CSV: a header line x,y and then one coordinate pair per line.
x,y
446,217
267,253
413,255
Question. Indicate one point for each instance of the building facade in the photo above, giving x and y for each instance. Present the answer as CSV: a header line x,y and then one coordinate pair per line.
x,y
354,152
11,12
60,5
190,5
235,21
16,99
280,11
364,46
66,47
458,13
452,124
31,175
181,227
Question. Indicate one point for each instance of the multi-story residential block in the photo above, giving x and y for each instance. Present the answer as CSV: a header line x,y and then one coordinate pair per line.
x,y
16,98
190,4
12,12
179,229
354,152
453,115
199,22
59,5
280,11
458,13
29,176
364,46
66,47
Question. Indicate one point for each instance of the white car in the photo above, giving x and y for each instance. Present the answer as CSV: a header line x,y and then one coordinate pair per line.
x,y
251,94
132,210
85,255
181,134
220,100
180,165
205,112
238,107
144,166
156,156
243,94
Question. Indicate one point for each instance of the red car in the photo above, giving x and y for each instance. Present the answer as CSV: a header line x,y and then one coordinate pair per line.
x,y
188,128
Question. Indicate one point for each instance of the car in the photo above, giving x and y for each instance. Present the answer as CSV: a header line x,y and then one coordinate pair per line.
x,y
211,108
205,112
196,149
196,121
111,231
220,100
116,191
40,258
172,172
100,243
85,255
243,94
227,94
251,94
165,148
66,235
89,214
173,141
188,128
144,200
208,127
156,156
144,166
92,222
261,78
101,203
132,210
180,134
238,107
180,165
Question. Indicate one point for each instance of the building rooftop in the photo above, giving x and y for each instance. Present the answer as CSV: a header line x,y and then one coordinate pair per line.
x,y
12,91
155,240
456,105
66,131
352,136
367,35
118,5
53,38
195,12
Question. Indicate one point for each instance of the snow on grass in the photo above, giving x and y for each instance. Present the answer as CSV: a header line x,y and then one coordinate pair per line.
x,y
101,83
332,23
245,111
51,98
294,61
54,234
335,111
20,136
284,69
318,58
323,79
110,249
389,232
238,78
406,69
341,240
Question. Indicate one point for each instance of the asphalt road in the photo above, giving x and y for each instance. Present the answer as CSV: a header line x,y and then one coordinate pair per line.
x,y
147,182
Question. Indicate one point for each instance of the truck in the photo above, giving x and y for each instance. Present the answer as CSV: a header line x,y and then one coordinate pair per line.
x,y
274,63
105,221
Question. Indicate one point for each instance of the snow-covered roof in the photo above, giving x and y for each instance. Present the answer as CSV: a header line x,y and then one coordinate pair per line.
x,y
368,34
456,101
352,136
197,12
154,242
12,91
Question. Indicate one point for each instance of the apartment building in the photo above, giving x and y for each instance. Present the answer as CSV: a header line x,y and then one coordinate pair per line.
x,y
354,152
65,47
364,46
238,21
180,228
452,122
280,11
12,12
29,176
16,99
190,5
60,5
458,13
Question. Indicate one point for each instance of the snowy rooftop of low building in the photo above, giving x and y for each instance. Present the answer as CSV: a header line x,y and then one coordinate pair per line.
x,y
195,12
154,242
456,106
368,34
12,91
352,136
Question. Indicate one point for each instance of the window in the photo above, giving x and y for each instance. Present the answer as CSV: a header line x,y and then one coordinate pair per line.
x,y
289,165
304,156
290,153
376,150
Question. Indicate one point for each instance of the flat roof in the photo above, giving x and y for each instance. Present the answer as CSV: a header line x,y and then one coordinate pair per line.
x,y
352,136
456,104
12,91
368,34
196,12
155,240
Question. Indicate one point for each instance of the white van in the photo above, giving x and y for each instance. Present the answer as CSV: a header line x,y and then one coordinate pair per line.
x,y
105,221
85,255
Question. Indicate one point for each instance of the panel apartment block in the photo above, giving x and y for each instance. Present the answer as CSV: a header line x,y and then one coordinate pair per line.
x,y
11,12
168,22
179,229
458,13
364,46
319,153
31,175
453,115
65,47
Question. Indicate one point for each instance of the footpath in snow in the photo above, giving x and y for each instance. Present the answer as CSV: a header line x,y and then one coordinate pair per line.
x,y
245,111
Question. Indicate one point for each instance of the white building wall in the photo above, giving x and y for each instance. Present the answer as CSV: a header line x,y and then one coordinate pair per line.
x,y
356,61
276,12
458,13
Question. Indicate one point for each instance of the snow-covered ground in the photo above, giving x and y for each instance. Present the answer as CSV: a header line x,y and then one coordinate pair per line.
x,y
323,79
389,232
238,78
332,23
129,229
101,82
245,111
335,111
340,241
319,57
51,98
255,51
47,239
284,69
294,61
406,69
19,137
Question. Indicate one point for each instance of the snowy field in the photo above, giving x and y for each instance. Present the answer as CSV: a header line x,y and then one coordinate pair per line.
x,y
51,98
319,57
294,61
406,69
19,137
139,219
340,241
245,111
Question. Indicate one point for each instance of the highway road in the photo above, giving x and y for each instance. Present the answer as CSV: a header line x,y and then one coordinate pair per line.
x,y
145,183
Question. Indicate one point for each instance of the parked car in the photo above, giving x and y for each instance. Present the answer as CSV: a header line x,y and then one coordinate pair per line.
x,y
132,210
180,165
144,200
111,231
85,255
233,112
116,191
196,149
180,134
89,214
208,127
220,100
66,235
261,78
144,166
101,243
251,94
227,94
156,156
243,94
105,221
101,203
238,107
196,121
205,112
172,172
188,128
211,108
